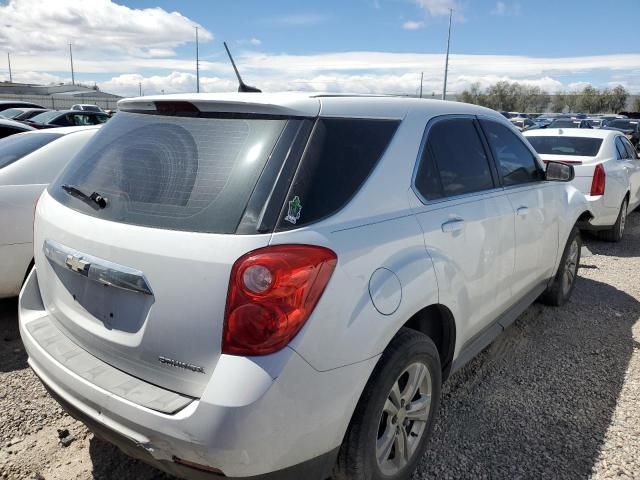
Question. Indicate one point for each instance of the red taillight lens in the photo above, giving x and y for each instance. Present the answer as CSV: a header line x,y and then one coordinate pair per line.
x,y
272,292
599,177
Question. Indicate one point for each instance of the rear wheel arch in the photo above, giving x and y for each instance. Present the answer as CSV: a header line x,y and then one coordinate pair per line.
x,y
437,322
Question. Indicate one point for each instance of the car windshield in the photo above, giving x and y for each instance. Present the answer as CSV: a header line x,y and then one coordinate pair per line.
x,y
45,117
90,108
11,113
15,147
561,145
623,124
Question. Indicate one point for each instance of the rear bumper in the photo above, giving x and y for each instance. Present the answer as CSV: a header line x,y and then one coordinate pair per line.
x,y
274,415
603,217
316,468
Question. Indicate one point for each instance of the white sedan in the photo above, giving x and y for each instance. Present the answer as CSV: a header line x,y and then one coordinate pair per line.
x,y
607,171
28,162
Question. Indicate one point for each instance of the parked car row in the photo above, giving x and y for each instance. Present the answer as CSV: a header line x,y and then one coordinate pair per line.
x,y
37,117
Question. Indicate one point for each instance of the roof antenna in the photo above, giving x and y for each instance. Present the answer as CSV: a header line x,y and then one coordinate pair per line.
x,y
242,87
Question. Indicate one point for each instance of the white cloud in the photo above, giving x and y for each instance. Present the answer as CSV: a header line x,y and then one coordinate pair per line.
x,y
504,9
253,41
38,26
413,25
438,8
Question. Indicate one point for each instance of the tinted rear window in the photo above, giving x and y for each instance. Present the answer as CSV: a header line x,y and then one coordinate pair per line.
x,y
45,117
17,146
561,145
181,173
339,157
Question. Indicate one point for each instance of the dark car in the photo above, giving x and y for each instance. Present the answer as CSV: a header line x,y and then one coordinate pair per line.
x,y
570,123
9,127
20,114
67,118
7,104
630,128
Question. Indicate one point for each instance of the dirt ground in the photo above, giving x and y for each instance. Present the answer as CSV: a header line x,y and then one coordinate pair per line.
x,y
557,396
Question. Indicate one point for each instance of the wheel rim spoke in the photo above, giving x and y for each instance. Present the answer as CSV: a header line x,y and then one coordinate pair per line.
x,y
417,372
419,410
401,443
385,444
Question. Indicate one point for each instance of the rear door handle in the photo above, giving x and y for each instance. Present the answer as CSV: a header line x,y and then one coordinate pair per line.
x,y
453,225
522,211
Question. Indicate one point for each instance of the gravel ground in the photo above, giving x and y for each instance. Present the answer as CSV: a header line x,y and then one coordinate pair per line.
x,y
557,396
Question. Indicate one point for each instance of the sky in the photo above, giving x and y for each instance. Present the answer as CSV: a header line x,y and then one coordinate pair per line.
x,y
358,46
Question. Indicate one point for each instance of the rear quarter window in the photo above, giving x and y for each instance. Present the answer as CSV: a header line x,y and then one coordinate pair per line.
x,y
340,155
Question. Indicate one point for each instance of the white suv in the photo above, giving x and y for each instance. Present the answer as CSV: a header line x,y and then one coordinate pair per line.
x,y
275,286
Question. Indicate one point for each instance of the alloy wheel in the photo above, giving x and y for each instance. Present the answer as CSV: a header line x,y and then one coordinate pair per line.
x,y
570,267
404,418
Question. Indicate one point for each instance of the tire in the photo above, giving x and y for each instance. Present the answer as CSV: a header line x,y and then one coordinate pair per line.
x,y
411,355
561,288
614,234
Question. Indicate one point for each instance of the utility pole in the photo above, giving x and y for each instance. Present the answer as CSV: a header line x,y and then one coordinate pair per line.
x,y
9,62
197,64
140,88
73,78
446,63
421,77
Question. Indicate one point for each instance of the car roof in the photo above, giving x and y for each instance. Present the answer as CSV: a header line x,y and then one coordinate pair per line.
x,y
60,130
572,132
311,104
12,123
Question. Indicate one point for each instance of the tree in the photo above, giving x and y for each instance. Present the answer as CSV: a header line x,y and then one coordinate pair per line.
x,y
559,102
636,104
619,97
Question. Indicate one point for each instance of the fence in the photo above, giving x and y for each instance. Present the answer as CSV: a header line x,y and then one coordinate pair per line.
x,y
63,102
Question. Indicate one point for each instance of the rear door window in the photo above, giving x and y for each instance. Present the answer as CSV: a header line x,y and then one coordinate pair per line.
x,y
631,152
622,152
453,160
182,173
516,163
341,154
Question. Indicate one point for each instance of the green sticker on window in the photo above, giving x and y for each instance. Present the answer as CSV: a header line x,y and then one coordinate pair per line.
x,y
295,207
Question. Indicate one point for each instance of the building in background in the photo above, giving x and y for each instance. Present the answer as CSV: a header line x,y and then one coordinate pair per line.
x,y
58,97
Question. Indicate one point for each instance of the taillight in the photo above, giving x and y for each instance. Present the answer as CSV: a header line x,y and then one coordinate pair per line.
x,y
272,292
599,177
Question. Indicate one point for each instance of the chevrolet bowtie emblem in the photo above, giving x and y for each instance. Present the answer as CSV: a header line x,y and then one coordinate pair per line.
x,y
77,264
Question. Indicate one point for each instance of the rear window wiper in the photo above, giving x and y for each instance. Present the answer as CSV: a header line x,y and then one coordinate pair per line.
x,y
95,200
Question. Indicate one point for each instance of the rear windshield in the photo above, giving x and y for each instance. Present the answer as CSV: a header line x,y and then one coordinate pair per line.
x,y
564,124
45,117
623,124
181,173
561,145
15,147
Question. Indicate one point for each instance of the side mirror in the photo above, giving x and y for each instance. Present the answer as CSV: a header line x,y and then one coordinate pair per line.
x,y
559,172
